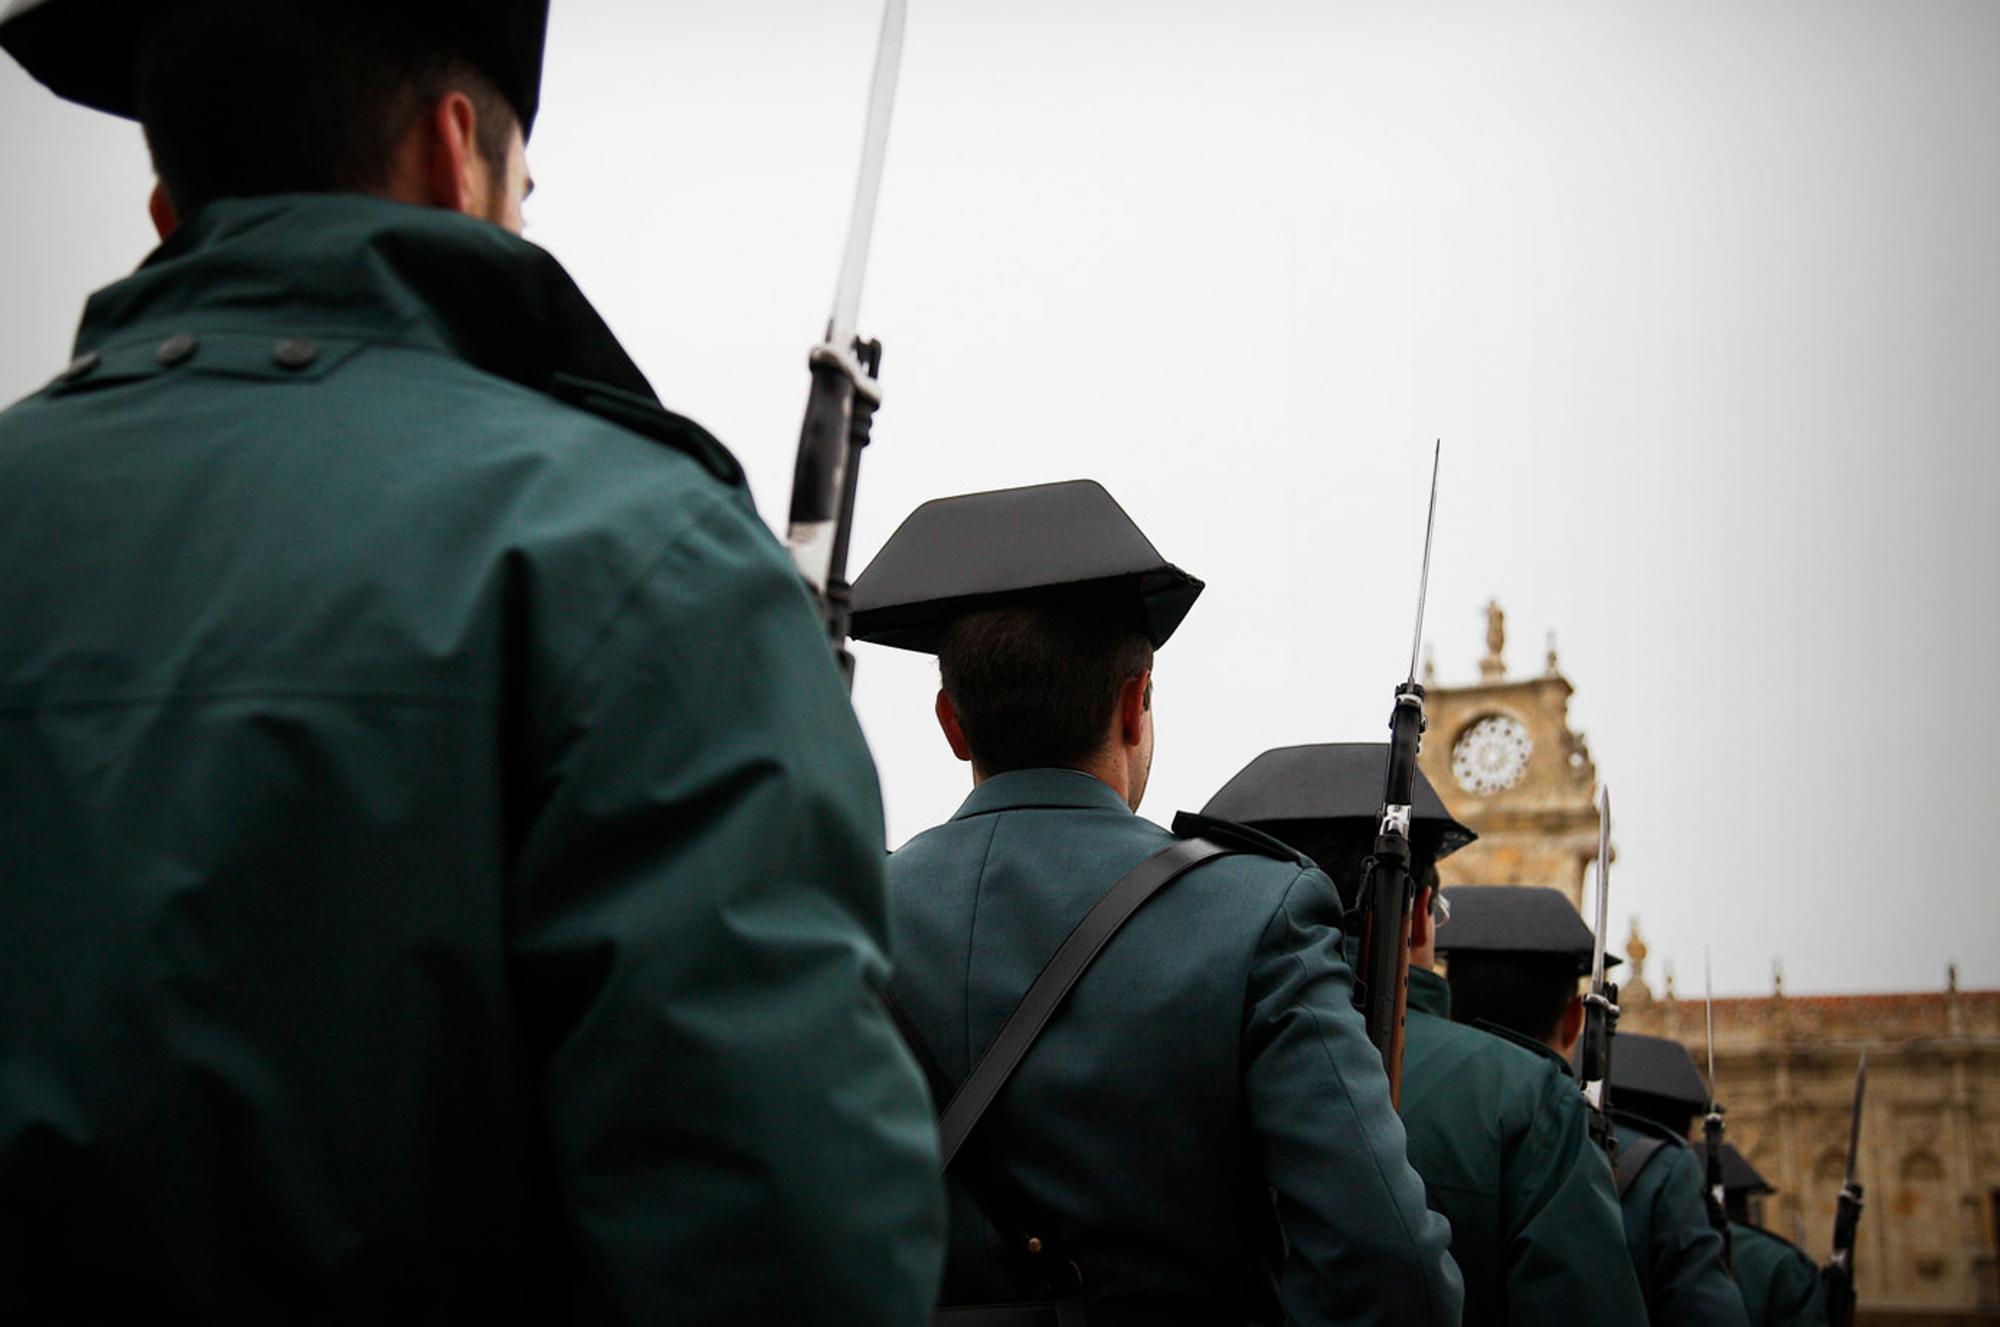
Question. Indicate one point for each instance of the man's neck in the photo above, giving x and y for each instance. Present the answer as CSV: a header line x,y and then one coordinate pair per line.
x,y
1106,768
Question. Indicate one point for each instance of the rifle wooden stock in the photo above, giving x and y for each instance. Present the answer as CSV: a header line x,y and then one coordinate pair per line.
x,y
1388,893
1385,946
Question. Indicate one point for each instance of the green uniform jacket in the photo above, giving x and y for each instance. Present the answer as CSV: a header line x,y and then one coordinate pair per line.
x,y
1780,1283
440,872
1204,1124
1677,1254
1501,1136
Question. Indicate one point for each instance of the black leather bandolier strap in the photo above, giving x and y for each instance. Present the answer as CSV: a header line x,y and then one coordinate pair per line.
x,y
960,1110
1633,1159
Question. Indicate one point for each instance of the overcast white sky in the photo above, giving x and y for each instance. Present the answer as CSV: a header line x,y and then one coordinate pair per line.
x,y
1703,298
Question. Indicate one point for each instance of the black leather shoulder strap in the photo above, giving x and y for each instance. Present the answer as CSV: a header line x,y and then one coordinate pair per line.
x,y
1239,838
1632,1159
994,1191
1017,1035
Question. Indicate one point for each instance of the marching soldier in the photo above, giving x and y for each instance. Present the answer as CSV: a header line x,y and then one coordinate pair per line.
x,y
440,872
1656,1092
1201,1131
1675,1252
1780,1282
1497,1127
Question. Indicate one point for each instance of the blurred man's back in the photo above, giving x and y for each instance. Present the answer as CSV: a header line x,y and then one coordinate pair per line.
x,y
439,869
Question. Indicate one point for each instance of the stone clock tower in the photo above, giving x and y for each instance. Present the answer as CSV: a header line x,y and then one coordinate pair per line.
x,y
1501,754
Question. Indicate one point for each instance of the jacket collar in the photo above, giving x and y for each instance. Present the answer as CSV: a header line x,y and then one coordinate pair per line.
x,y
350,267
1430,993
1022,788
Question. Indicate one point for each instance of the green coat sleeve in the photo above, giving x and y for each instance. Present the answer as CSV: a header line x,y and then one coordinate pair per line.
x,y
698,928
1565,1256
1360,1244
1797,1297
1691,1284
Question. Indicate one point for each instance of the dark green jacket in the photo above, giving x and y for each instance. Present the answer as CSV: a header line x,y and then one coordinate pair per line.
x,y
1501,1137
1677,1254
440,872
1780,1283
1205,1123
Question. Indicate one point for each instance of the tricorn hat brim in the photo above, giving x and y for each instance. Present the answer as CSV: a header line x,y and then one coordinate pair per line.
x,y
1656,1067
87,51
1068,542
1323,797
1528,921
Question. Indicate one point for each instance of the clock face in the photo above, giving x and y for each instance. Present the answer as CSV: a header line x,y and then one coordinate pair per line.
x,y
1491,755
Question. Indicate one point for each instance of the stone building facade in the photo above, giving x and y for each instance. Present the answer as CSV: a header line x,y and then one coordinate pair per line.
x,y
1929,1162
1501,753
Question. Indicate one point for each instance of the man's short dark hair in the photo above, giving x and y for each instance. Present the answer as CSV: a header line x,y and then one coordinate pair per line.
x,y
1523,993
241,98
1037,684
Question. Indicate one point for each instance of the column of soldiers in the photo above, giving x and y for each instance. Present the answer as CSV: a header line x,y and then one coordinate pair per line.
x,y
441,876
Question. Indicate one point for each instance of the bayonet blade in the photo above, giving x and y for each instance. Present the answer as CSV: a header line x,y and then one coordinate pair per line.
x,y
1854,1132
1708,1000
868,186
1424,581
1603,885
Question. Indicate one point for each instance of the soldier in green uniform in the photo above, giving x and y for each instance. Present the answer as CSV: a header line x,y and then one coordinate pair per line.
x,y
1202,1132
1779,1280
440,871
1497,1127
1656,1092
1676,1254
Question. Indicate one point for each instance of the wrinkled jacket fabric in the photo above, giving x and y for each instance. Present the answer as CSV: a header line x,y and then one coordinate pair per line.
x,y
1501,1136
440,872
1204,1127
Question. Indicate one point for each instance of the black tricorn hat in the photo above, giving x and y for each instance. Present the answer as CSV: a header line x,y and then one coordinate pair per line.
x,y
1655,1067
87,51
1047,542
1738,1175
1319,798
1529,920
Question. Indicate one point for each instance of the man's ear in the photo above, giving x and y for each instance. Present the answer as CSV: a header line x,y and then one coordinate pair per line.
x,y
947,718
1571,1026
450,149
1135,698
161,208
1421,921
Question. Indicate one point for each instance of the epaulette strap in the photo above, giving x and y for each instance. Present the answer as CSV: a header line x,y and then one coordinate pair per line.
x,y
1522,1040
1192,825
649,419
1651,1128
